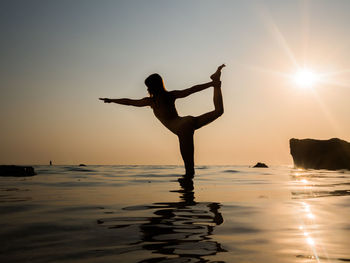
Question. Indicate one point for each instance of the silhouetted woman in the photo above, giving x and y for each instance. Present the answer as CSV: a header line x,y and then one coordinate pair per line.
x,y
163,104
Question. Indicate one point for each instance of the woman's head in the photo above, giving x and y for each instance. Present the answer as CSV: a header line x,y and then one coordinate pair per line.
x,y
154,84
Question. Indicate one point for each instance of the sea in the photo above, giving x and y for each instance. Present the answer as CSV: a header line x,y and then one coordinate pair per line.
x,y
100,213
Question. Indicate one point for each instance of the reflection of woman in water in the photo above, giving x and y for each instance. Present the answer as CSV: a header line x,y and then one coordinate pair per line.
x,y
180,231
163,104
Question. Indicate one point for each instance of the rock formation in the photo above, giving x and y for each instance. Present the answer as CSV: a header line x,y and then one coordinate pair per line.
x,y
15,170
260,165
333,154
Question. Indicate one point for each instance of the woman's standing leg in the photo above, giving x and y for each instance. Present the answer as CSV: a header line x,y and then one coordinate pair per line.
x,y
187,151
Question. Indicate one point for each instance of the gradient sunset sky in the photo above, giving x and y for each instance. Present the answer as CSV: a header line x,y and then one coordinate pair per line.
x,y
59,57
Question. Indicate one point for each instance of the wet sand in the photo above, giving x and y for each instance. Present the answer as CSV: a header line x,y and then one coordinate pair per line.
x,y
143,214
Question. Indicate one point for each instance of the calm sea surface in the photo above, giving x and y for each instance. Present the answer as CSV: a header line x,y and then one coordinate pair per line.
x,y
143,214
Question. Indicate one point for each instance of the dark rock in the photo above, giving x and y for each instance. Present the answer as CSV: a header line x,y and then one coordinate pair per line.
x,y
333,154
82,164
260,165
15,170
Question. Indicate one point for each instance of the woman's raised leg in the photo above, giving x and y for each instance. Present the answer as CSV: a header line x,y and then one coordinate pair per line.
x,y
208,117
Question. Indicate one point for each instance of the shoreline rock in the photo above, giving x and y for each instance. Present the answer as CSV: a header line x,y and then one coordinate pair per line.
x,y
332,154
260,165
16,170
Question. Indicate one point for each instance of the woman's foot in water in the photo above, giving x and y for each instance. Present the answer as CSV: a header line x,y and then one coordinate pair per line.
x,y
217,74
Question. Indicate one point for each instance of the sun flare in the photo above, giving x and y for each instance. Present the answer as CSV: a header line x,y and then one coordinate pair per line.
x,y
305,78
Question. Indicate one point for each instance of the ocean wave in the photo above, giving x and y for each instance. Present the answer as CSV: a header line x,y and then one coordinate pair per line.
x,y
231,171
79,169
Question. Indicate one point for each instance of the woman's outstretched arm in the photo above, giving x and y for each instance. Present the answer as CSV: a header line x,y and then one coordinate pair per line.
x,y
186,92
137,103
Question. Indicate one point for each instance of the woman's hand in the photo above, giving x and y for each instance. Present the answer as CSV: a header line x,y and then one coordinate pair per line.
x,y
106,100
216,83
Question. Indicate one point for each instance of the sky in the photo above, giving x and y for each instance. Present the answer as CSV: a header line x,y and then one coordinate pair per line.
x,y
59,57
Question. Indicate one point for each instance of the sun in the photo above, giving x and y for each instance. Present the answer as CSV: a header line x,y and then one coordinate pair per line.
x,y
305,78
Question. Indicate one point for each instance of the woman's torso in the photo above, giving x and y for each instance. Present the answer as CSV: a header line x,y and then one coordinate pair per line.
x,y
164,109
